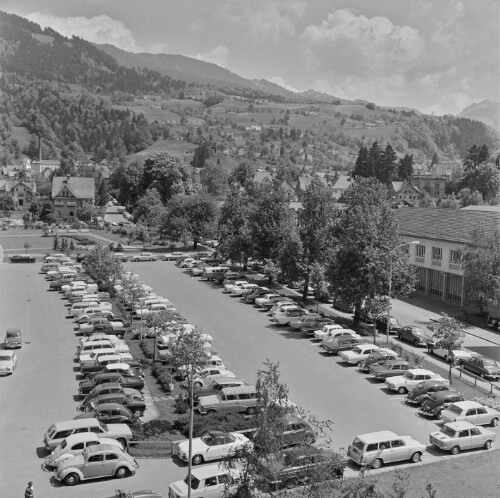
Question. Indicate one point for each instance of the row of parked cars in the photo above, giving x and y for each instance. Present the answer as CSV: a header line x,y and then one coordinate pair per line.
x,y
94,443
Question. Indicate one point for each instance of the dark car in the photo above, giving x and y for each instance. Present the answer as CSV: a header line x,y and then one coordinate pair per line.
x,y
257,292
108,388
296,466
424,390
126,381
482,366
437,402
110,413
415,335
394,325
340,343
13,339
109,328
136,405
377,358
22,258
390,368
311,328
494,323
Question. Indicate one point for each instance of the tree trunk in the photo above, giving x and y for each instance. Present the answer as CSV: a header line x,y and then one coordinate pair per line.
x,y
357,312
306,288
195,244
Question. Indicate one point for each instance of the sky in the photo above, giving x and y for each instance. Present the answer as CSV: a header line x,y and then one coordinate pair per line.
x,y
438,56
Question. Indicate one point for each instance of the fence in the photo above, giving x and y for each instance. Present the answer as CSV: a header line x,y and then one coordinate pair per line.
x,y
150,449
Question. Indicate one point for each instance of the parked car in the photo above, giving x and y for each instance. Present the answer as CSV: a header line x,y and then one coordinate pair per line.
x,y
186,262
256,293
494,322
74,445
119,256
108,388
424,390
272,303
205,376
295,466
327,331
239,290
110,413
242,399
101,460
415,335
285,317
359,353
137,405
22,258
99,363
457,356
215,386
295,431
377,448
13,339
310,328
133,382
334,345
100,324
457,436
212,445
389,368
482,366
376,358
283,305
394,326
266,298
302,321
406,382
437,402
173,256
8,362
145,256
472,412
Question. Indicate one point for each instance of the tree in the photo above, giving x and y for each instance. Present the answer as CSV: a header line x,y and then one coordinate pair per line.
x,y
103,267
201,154
126,180
102,194
86,212
190,216
150,209
214,178
405,167
362,167
481,266
387,166
130,292
367,247
485,179
448,335
477,155
243,175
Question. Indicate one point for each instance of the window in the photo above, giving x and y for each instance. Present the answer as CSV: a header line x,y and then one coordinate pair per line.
x,y
78,446
475,432
472,411
372,447
96,458
111,456
397,443
63,434
420,251
437,253
463,433
211,481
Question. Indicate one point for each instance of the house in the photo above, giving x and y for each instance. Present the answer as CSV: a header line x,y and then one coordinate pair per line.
x,y
20,192
442,235
404,193
103,173
45,167
69,193
262,176
289,190
341,185
434,185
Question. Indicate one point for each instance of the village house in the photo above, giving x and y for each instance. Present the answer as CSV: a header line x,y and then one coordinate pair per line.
x,y
434,185
69,193
404,193
341,185
45,167
20,191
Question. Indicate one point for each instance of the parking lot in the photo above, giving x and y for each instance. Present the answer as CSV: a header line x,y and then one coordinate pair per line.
x,y
42,389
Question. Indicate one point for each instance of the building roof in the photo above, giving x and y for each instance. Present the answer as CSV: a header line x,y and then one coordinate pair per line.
x,y
261,176
397,186
452,225
81,187
343,182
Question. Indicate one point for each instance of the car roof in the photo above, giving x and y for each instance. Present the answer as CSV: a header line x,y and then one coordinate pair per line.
x,y
82,437
468,404
239,389
110,405
97,448
209,470
419,371
7,352
460,425
77,423
13,331
373,437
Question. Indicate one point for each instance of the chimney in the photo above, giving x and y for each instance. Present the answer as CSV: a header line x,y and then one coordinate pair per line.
x,y
66,180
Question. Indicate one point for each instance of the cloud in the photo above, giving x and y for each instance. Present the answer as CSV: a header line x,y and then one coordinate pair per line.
x,y
281,82
269,20
452,103
218,55
98,29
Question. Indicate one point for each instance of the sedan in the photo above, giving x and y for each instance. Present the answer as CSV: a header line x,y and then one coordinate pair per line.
x,y
340,343
213,445
132,382
8,362
437,402
359,353
310,319
137,405
482,366
284,318
377,358
457,436
173,256
394,325
327,331
415,335
101,460
390,368
425,390
472,412
110,413
22,258
13,339
310,328
145,256
109,388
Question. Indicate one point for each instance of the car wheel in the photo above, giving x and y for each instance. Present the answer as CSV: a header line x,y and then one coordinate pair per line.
x,y
455,450
377,463
250,410
122,472
494,422
291,483
136,260
138,413
415,342
197,460
198,384
415,458
487,444
72,479
402,390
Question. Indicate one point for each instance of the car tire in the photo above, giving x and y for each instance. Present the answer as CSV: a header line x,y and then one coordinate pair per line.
x,y
198,384
494,422
136,260
402,390
487,444
250,410
377,463
415,458
291,483
455,450
415,342
71,479
122,472
197,460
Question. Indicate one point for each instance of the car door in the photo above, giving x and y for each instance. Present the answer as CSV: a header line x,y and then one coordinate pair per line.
x,y
464,439
476,438
473,366
399,451
110,462
482,417
94,467
218,449
471,416
385,451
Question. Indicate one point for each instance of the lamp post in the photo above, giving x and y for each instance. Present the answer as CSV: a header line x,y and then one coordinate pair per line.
x,y
388,324
27,246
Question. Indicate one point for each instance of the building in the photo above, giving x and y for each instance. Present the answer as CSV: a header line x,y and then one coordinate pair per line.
x,y
341,185
442,234
45,167
434,185
20,191
404,193
69,193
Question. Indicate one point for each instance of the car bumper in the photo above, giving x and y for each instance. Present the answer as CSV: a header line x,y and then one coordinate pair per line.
x,y
391,386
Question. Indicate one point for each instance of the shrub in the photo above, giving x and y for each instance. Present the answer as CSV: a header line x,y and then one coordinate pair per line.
x,y
163,376
222,422
490,401
148,348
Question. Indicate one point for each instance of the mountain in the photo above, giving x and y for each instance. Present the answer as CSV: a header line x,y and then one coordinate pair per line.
x,y
486,111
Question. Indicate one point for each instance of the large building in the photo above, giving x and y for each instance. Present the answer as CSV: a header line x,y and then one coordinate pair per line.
x,y
69,193
442,236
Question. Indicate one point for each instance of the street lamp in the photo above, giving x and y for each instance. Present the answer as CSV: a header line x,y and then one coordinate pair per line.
x,y
388,325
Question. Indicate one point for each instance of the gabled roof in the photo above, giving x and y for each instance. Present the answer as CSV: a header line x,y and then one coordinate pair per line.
x,y
452,225
80,187
343,182
261,176
397,186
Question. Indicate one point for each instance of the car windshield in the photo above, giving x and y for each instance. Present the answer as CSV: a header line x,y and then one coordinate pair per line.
x,y
12,333
408,375
357,350
207,438
447,431
5,358
195,483
455,409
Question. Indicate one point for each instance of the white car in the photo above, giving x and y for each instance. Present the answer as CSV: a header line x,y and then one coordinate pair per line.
x,y
89,358
86,327
173,256
205,376
327,331
406,382
286,316
457,355
145,256
282,306
358,354
213,445
238,291
187,262
8,362
235,285
153,309
471,411
265,298
101,336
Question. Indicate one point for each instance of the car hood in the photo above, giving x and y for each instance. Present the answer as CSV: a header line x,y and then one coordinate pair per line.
x,y
6,363
209,400
75,461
